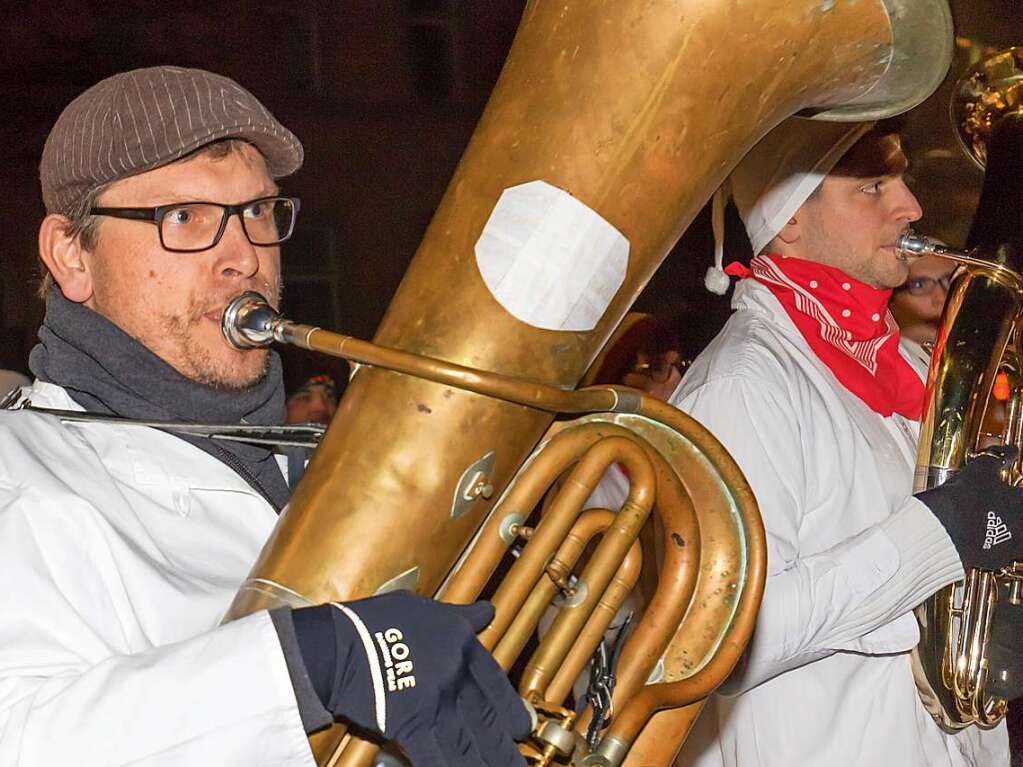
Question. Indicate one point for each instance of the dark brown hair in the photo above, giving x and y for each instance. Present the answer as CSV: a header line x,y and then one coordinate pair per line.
x,y
877,153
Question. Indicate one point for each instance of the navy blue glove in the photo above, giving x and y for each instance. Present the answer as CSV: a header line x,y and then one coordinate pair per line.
x,y
412,670
982,514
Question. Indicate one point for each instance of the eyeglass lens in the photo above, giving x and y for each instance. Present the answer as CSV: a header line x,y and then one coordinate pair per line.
x,y
922,286
658,371
195,226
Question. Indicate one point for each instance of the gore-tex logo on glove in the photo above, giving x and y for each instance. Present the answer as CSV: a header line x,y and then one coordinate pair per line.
x,y
997,532
397,666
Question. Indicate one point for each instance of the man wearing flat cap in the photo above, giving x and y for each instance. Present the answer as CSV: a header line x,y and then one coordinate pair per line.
x,y
807,388
122,545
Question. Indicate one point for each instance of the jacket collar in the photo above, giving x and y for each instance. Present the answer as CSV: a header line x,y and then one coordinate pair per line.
x,y
165,459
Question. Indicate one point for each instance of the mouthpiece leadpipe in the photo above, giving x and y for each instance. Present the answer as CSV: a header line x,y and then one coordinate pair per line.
x,y
915,246
250,322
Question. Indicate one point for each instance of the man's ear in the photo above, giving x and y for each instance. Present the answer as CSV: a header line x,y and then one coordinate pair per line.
x,y
790,233
63,256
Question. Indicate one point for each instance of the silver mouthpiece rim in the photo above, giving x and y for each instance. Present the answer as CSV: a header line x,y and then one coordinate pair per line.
x,y
912,244
249,321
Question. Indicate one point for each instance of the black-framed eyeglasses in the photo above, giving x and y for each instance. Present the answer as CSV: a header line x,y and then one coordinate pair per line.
x,y
191,227
660,370
924,286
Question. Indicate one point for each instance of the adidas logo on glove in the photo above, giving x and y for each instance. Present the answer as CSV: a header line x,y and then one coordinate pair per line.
x,y
997,532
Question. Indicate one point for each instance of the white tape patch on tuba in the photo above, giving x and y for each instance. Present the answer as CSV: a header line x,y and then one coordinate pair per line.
x,y
549,260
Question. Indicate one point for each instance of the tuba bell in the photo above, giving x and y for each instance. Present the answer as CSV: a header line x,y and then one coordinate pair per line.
x,y
980,334
611,125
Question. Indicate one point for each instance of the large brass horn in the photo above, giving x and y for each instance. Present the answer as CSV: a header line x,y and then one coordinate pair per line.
x,y
700,493
610,126
979,334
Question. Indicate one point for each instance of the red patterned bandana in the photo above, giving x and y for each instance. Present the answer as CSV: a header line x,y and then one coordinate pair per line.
x,y
849,328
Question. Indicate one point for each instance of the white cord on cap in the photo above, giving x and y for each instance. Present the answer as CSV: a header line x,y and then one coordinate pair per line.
x,y
716,281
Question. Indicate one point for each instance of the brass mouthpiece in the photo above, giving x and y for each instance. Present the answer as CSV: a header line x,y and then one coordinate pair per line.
x,y
915,246
250,322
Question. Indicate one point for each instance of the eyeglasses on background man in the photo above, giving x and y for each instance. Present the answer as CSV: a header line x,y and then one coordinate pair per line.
x,y
917,303
924,286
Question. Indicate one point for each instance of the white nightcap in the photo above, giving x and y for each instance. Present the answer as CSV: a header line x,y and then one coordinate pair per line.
x,y
777,176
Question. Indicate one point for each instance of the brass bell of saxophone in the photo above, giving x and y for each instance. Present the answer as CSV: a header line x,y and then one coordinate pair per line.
x,y
979,334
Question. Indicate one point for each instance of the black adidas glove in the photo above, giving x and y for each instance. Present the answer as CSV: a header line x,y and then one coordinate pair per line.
x,y
412,670
982,514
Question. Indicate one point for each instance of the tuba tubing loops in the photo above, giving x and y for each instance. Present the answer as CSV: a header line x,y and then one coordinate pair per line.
x,y
553,547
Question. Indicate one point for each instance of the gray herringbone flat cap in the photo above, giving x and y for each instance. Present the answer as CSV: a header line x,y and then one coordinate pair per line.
x,y
139,120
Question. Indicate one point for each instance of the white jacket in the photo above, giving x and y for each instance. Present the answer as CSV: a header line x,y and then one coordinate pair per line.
x,y
826,679
121,547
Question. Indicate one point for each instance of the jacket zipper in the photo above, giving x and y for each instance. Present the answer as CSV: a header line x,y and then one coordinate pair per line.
x,y
247,475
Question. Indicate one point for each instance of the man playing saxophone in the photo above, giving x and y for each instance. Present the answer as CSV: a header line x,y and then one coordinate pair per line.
x,y
123,545
806,387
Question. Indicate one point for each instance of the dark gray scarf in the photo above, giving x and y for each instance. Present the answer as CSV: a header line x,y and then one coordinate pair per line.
x,y
107,371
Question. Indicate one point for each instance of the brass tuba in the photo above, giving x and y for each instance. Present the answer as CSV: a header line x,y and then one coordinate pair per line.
x,y
980,333
610,126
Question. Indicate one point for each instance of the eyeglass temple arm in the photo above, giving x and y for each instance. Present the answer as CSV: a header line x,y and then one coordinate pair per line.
x,y
135,214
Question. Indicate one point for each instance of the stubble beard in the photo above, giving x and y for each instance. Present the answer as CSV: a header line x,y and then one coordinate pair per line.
x,y
883,271
205,368
879,269
232,369
889,269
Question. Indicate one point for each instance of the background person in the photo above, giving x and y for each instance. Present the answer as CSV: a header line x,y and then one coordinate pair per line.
x,y
315,401
645,352
918,302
